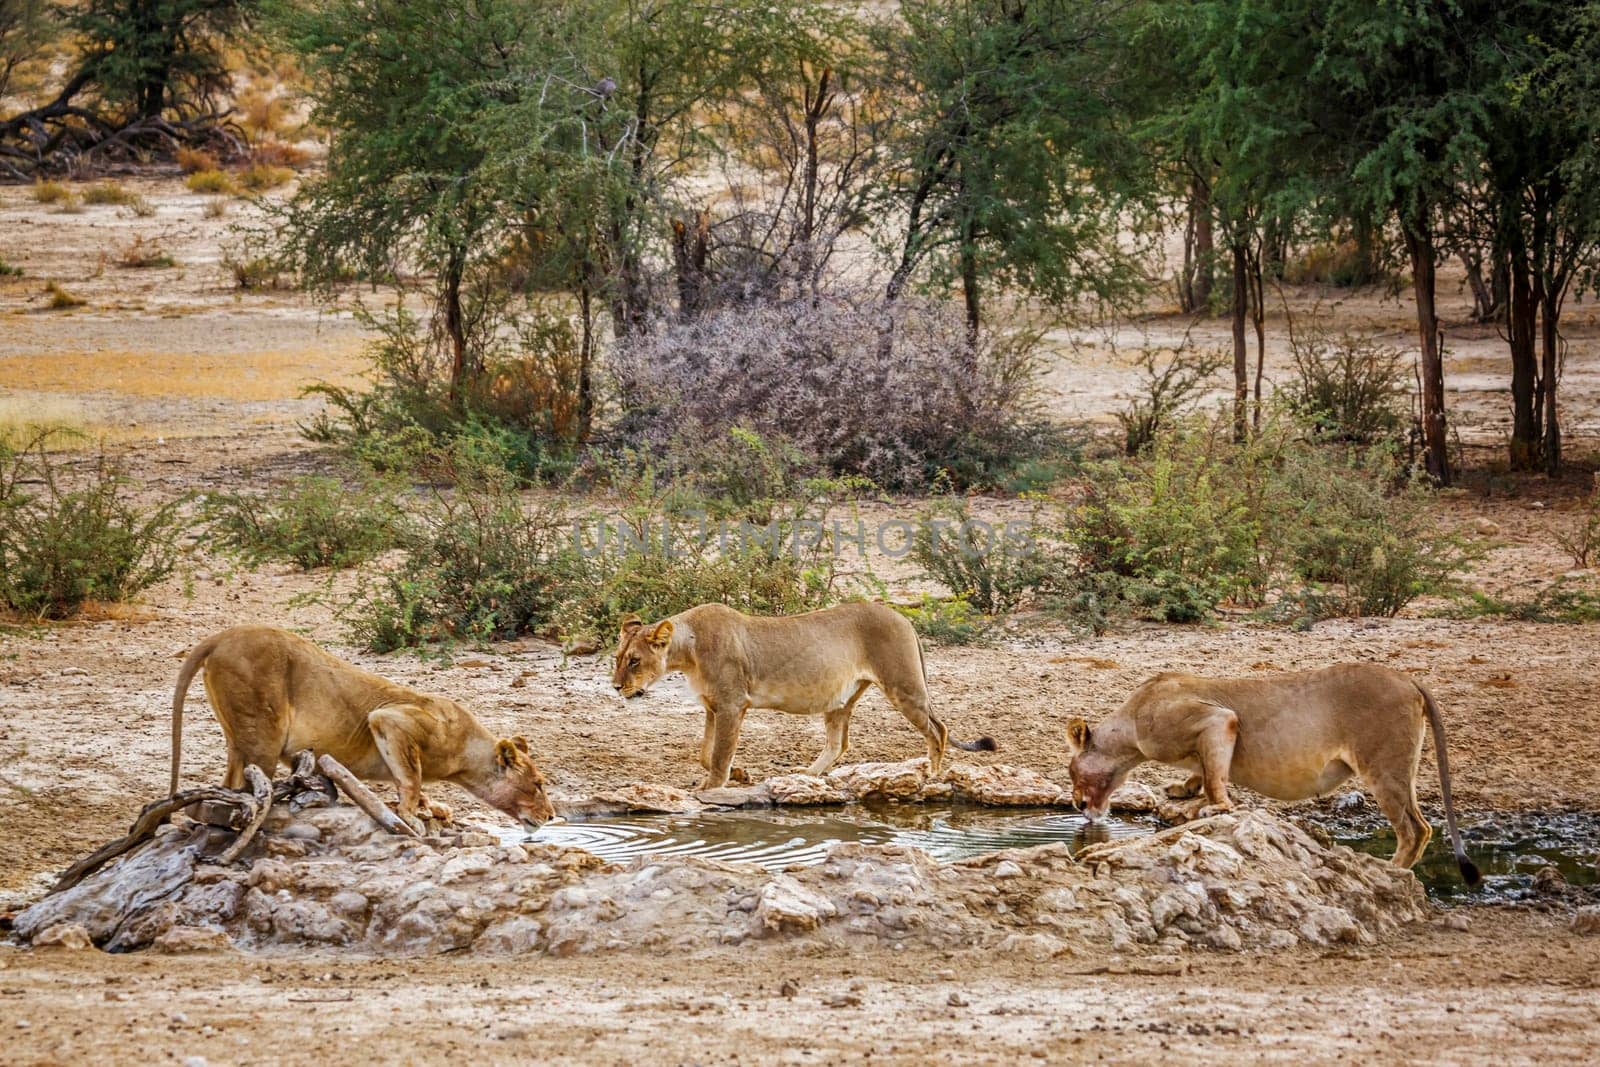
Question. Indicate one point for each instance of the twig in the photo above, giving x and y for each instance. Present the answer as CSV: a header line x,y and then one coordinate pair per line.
x,y
150,818
261,790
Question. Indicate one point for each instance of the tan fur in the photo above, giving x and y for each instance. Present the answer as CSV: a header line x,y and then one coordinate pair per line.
x,y
1286,736
275,693
818,663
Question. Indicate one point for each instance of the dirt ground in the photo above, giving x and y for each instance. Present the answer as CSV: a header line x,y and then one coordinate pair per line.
x,y
199,384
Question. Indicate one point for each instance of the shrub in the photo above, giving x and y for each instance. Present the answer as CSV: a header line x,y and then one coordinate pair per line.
x,y
210,182
1581,540
107,192
194,160
992,566
279,154
1558,602
1348,388
312,522
259,177
215,209
66,539
948,620
69,205
1342,264
49,192
1367,530
893,393
9,270
141,208
1174,378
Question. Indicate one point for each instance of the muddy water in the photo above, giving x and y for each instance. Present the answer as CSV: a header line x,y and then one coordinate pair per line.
x,y
776,839
1509,849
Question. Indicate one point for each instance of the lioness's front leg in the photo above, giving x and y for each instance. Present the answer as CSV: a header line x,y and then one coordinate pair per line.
x,y
391,731
725,738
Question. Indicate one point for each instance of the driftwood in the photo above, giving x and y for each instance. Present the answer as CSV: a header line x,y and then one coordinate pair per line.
x,y
305,788
144,827
364,798
261,793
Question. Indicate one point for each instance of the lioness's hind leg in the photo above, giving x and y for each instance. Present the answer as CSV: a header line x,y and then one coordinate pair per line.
x,y
1398,802
1214,749
836,723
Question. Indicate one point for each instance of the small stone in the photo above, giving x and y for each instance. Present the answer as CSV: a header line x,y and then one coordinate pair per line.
x,y
1350,801
789,988
1454,920
1548,880
1007,869
1485,527
956,1000
63,935
841,1000
1587,920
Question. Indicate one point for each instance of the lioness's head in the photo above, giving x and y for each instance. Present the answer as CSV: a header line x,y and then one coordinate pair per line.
x,y
517,787
641,655
1095,775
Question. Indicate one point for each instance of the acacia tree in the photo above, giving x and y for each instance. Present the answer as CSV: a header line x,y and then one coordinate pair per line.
x,y
1010,166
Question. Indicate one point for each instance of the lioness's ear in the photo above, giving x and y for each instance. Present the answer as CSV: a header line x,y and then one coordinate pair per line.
x,y
1078,734
630,623
521,743
662,636
505,754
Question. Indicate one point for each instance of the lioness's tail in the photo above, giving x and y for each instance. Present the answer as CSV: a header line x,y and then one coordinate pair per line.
x,y
191,666
977,744
1469,870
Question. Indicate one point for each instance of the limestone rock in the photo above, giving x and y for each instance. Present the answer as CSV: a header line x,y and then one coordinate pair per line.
x,y
881,781
784,905
183,940
1587,920
634,798
1000,785
800,790
737,796
63,935
1135,798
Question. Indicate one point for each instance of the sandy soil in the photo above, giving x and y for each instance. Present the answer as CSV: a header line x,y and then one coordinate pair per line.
x,y
199,383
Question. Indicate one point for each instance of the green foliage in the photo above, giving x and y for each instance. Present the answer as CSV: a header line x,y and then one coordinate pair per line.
x,y
992,566
482,563
72,535
312,522
1169,390
1559,602
145,57
108,192
1012,167
948,620
1350,389
27,28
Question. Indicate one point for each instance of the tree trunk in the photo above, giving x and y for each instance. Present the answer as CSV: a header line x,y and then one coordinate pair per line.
x,y
1241,354
1550,374
1523,341
1205,245
455,328
586,355
1435,443
1258,315
690,249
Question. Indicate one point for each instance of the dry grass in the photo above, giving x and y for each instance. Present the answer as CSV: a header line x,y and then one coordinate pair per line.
x,y
140,253
248,376
210,182
280,154
215,209
49,192
60,299
193,160
259,177
69,205
108,192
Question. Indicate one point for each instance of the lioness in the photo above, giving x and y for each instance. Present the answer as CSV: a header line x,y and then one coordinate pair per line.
x,y
818,663
275,693
1286,736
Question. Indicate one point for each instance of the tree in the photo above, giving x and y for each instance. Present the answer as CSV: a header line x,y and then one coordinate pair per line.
x,y
26,27
1010,166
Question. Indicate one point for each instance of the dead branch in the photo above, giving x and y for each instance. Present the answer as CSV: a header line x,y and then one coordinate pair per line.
x,y
261,792
364,798
144,827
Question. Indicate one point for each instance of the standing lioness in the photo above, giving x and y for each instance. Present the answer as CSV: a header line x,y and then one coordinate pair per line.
x,y
818,663
1286,736
275,693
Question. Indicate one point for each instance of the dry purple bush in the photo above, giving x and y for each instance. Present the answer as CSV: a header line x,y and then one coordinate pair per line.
x,y
893,392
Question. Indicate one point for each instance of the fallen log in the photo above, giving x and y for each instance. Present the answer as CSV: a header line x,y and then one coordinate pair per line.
x,y
364,798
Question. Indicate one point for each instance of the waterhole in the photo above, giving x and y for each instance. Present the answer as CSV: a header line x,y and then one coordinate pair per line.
x,y
776,839
1508,849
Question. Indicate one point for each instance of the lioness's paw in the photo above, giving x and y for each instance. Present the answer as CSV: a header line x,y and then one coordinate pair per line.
x,y
1212,809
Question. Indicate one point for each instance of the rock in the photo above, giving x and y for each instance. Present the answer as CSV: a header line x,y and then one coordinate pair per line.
x,y
787,906
635,798
1485,527
798,790
736,796
886,781
63,935
1587,920
1134,798
183,940
1548,880
842,1000
1000,785
1455,920
1007,869
956,1000
1351,800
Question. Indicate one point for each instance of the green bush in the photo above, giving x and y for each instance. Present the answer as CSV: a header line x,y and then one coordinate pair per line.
x,y
67,537
1558,602
1348,388
312,522
949,620
992,566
